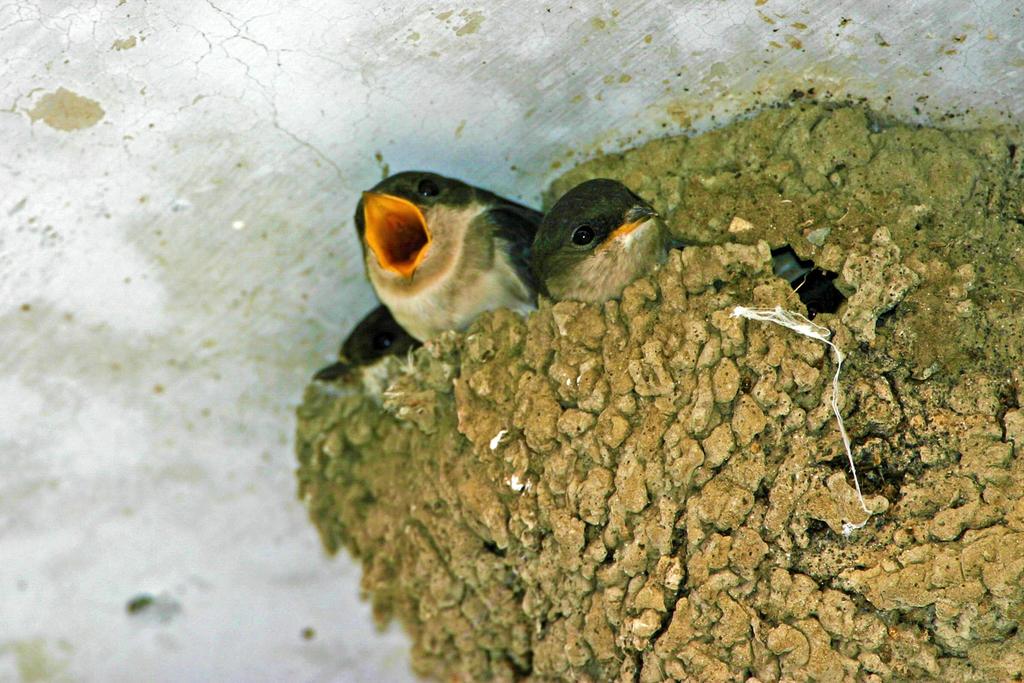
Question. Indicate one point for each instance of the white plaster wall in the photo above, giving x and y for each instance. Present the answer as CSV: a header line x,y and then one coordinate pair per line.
x,y
173,270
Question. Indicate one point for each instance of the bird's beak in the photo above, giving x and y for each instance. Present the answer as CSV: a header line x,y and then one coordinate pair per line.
x,y
396,232
634,218
332,372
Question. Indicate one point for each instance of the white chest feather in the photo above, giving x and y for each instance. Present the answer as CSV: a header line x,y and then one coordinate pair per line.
x,y
453,302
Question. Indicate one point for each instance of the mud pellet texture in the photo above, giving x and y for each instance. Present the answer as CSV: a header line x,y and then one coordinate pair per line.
x,y
667,496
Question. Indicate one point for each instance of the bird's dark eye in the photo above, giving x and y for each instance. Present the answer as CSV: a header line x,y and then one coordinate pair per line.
x,y
383,341
583,235
428,188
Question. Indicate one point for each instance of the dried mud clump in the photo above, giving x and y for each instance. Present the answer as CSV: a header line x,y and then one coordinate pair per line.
x,y
651,489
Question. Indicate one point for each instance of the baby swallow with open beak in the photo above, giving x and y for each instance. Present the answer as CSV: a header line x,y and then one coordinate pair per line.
x,y
439,252
374,338
596,239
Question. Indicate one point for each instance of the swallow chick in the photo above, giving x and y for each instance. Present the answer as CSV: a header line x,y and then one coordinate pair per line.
x,y
596,239
374,338
812,284
439,252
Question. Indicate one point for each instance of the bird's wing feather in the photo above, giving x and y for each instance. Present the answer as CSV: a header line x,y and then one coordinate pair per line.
x,y
360,223
515,225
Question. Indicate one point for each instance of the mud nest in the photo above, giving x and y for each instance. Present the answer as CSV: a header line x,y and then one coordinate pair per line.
x,y
651,490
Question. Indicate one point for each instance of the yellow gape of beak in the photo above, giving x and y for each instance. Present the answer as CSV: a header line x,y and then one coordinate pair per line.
x,y
622,231
396,232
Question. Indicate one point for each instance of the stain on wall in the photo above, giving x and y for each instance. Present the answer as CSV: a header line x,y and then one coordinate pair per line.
x,y
66,110
36,662
124,43
473,20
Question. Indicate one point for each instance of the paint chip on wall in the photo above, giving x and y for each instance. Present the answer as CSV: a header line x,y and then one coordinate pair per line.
x,y
473,20
65,110
124,43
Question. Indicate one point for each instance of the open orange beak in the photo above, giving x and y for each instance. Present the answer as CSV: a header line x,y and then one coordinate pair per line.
x,y
634,218
396,232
